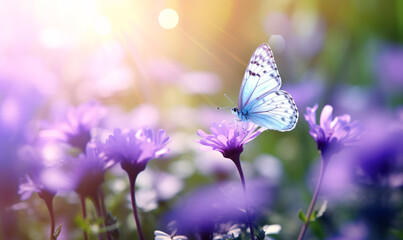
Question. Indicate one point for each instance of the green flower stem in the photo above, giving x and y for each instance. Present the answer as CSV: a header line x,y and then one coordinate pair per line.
x,y
314,198
132,180
237,162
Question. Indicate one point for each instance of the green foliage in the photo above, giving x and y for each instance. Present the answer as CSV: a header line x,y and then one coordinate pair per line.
x,y
316,214
92,225
317,229
397,233
57,232
301,216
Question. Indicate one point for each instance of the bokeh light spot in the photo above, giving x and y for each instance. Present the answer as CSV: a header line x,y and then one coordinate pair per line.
x,y
168,18
53,38
277,42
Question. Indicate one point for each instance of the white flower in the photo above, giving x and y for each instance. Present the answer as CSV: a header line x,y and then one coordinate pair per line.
x,y
160,235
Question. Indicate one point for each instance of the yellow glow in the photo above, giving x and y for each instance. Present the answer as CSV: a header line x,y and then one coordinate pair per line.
x,y
168,18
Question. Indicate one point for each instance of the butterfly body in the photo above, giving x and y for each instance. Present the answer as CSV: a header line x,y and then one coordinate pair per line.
x,y
242,116
260,99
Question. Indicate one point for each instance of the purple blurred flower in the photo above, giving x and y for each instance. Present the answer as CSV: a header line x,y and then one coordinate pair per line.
x,y
133,149
88,172
333,133
76,128
353,230
388,67
229,139
340,191
206,209
164,70
305,92
10,172
145,114
18,105
379,157
200,83
33,182
381,160
83,174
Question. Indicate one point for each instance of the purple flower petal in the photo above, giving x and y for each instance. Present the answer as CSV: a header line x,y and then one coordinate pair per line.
x,y
135,148
331,131
228,138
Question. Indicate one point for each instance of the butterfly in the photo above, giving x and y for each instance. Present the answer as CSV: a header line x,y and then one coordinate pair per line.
x,y
260,99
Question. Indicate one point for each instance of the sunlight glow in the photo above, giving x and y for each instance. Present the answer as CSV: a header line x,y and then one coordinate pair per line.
x,y
103,25
168,18
53,38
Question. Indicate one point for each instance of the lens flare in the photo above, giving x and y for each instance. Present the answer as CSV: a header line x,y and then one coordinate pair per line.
x,y
168,18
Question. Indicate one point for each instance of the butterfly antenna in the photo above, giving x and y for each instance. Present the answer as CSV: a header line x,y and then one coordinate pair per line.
x,y
229,100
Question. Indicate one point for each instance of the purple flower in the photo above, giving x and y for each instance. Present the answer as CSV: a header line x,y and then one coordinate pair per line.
x,y
76,128
229,138
83,174
33,182
207,208
133,149
334,133
89,170
388,67
379,156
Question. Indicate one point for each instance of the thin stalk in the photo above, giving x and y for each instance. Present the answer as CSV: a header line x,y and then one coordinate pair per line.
x,y
84,213
95,200
104,213
238,166
49,205
47,197
314,198
132,179
8,223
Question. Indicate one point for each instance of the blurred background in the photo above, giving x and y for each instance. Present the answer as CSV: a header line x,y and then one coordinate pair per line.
x,y
168,64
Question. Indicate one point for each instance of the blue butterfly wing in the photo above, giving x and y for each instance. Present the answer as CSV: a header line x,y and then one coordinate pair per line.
x,y
260,99
277,111
261,76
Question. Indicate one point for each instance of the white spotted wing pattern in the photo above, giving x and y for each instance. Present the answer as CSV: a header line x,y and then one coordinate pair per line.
x,y
260,99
